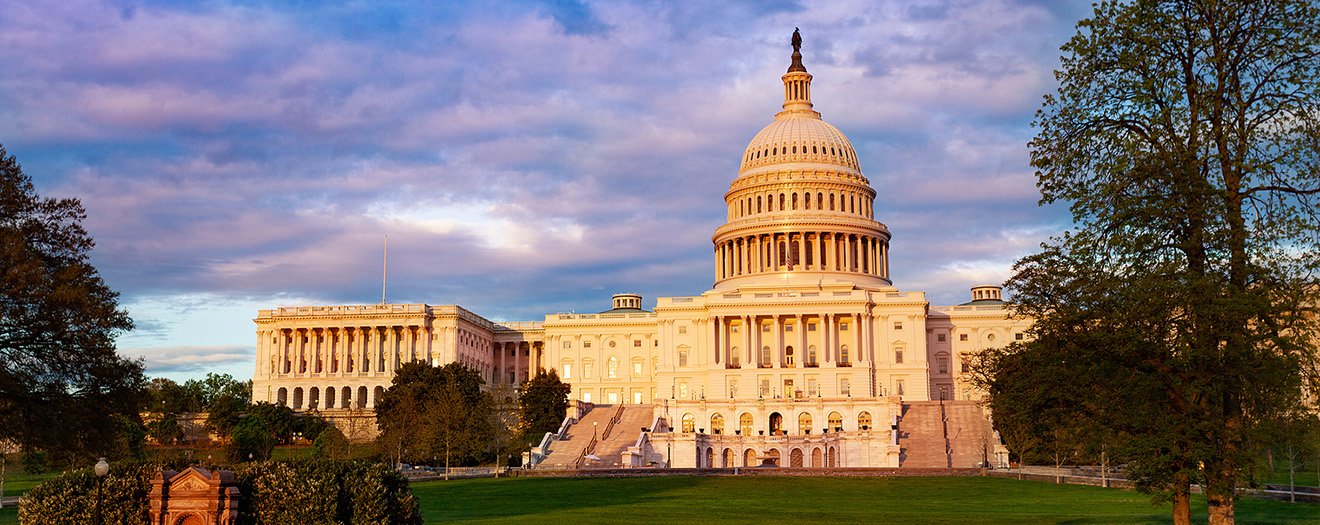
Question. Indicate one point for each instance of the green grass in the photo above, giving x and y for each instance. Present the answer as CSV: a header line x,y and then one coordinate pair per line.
x,y
682,499
18,483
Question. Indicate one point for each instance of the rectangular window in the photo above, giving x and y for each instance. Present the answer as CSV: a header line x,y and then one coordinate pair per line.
x,y
811,387
637,343
943,363
811,327
1017,336
962,337
733,388
568,344
586,396
898,356
513,352
845,388
788,389
940,338
843,326
898,325
682,390
898,387
568,371
788,328
965,365
637,369
733,329
586,369
682,330
682,358
586,344
765,388
765,328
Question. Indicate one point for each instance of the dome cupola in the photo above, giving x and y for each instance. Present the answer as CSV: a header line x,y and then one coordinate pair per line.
x,y
800,209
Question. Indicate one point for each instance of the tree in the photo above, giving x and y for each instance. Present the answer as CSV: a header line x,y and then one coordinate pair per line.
x,y
164,429
1185,136
435,412
279,420
544,403
252,440
224,413
331,444
61,381
209,390
164,396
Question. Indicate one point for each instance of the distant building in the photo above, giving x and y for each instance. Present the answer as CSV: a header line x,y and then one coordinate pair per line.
x,y
803,352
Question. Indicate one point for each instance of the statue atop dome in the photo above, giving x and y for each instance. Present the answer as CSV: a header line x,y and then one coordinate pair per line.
x,y
797,53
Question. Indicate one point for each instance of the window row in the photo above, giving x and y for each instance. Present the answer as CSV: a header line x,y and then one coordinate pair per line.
x,y
588,367
774,425
833,152
847,202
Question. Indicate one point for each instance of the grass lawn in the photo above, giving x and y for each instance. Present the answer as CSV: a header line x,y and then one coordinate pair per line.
x,y
683,499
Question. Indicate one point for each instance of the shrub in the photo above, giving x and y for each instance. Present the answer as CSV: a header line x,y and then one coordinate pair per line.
x,y
251,439
331,444
274,492
34,462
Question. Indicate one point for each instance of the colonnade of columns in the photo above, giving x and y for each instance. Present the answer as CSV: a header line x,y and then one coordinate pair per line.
x,y
516,360
802,251
339,351
775,201
843,340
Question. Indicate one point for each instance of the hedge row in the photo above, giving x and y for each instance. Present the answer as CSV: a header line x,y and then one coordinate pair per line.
x,y
274,493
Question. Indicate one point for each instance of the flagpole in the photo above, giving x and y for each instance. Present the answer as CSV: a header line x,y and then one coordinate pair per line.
x,y
384,267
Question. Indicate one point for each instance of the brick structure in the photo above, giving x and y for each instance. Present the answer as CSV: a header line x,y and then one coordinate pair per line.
x,y
194,497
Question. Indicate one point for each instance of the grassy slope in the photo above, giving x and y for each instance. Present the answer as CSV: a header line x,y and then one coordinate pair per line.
x,y
849,500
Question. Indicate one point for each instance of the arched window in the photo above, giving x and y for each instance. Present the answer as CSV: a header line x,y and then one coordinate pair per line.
x,y
864,421
612,367
297,398
362,397
728,458
836,422
376,395
843,355
806,201
795,199
765,357
781,202
795,458
745,424
733,357
346,397
330,397
815,457
831,202
710,457
804,423
282,397
811,355
689,423
749,456
758,204
788,359
717,424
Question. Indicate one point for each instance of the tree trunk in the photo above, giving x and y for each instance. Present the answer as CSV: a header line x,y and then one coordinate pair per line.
x,y
1182,501
1221,509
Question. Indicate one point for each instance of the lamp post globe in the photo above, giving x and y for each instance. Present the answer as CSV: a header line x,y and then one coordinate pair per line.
x,y
101,469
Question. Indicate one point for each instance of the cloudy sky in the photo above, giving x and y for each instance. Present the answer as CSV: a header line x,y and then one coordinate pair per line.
x,y
524,158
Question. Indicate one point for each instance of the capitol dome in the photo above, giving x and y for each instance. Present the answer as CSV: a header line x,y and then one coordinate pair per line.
x,y
799,137
800,212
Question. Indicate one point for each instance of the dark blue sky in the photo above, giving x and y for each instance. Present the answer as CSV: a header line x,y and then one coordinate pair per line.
x,y
524,158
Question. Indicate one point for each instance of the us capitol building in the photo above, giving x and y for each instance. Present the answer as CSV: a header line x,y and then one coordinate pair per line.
x,y
803,353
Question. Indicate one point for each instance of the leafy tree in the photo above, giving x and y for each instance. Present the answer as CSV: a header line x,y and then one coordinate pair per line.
x,y
311,424
1185,136
164,429
544,403
132,440
279,419
209,390
61,381
164,396
252,438
435,412
331,444
34,462
224,413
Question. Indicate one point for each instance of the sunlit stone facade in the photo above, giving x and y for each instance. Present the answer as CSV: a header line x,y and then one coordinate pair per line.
x,y
802,350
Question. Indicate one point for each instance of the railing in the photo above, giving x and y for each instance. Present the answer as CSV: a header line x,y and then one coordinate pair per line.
x,y
618,414
591,447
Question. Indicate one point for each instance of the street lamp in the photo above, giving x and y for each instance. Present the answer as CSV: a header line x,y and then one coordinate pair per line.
x,y
101,469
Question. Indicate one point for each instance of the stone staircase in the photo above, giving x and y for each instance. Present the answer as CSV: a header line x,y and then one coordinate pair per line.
x,y
623,435
969,433
921,436
948,434
564,454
